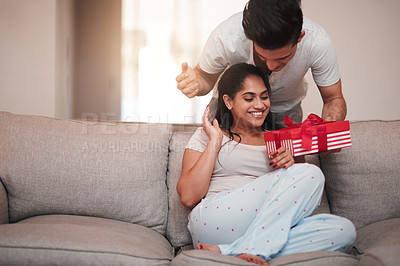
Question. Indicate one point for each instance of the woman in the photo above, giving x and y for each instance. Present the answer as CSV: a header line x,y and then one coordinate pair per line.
x,y
245,205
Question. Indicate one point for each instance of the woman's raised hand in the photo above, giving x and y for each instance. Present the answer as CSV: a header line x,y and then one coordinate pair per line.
x,y
282,158
213,131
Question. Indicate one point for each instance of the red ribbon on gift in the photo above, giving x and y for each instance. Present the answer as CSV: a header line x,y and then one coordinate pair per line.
x,y
307,132
313,125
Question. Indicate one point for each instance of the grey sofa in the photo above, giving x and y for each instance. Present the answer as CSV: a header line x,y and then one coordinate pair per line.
x,y
102,193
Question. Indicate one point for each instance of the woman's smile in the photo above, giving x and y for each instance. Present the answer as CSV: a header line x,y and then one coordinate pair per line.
x,y
257,114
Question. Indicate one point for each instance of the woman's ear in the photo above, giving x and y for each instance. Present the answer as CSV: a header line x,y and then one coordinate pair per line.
x,y
227,101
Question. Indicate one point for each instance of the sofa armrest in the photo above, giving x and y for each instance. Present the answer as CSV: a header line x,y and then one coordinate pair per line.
x,y
381,256
379,243
3,205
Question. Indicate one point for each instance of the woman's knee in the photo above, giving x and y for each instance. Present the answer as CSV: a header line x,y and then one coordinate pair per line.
x,y
315,171
345,233
311,174
350,234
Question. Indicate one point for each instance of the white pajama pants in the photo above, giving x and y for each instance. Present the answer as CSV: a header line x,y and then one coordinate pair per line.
x,y
269,217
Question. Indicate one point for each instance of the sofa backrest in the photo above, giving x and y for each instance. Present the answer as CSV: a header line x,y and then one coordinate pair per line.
x,y
101,169
3,205
177,232
362,182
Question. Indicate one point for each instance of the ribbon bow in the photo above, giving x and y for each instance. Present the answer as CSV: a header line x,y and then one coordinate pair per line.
x,y
312,126
307,132
307,129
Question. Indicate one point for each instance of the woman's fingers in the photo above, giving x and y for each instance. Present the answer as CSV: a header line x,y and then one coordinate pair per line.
x,y
216,124
282,158
206,114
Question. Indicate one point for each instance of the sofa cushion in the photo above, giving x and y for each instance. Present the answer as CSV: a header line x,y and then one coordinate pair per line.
x,y
380,234
379,243
101,169
77,240
362,182
382,256
3,205
177,232
204,258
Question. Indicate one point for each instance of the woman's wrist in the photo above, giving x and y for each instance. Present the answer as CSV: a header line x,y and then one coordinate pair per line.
x,y
215,144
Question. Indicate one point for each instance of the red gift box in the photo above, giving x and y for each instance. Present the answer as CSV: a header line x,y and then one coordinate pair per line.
x,y
311,136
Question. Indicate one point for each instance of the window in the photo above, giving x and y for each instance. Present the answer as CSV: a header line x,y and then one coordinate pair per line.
x,y
157,36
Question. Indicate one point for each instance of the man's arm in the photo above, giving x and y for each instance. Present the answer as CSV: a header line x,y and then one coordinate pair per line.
x,y
207,81
195,82
334,108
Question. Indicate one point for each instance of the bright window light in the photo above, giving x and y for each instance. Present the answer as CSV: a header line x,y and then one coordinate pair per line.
x,y
157,36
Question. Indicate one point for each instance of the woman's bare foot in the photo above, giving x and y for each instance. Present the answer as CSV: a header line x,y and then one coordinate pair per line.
x,y
247,257
208,247
253,258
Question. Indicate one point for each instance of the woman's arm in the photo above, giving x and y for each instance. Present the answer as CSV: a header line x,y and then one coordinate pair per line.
x,y
197,167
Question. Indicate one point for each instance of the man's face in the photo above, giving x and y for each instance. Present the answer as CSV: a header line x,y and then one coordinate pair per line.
x,y
276,59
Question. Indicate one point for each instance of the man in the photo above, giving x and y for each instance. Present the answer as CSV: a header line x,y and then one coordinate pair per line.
x,y
272,35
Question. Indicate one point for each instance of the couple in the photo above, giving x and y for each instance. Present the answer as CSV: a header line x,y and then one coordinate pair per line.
x,y
244,204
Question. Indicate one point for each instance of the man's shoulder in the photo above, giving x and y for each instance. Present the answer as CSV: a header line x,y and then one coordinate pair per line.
x,y
234,21
313,29
231,28
226,45
316,39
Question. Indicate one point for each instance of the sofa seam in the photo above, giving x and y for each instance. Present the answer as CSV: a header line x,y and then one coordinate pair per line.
x,y
168,190
165,226
207,259
289,263
373,120
83,251
373,257
309,260
8,199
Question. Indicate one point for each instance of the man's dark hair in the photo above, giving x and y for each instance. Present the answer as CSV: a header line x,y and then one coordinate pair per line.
x,y
273,24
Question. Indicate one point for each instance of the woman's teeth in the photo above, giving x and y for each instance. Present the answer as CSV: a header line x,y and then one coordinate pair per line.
x,y
256,113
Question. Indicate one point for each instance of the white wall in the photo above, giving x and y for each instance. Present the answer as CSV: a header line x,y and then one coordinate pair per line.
x,y
65,50
36,47
366,35
27,52
32,81
97,70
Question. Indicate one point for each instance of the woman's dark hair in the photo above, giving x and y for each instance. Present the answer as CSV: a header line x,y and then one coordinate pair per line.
x,y
273,24
230,83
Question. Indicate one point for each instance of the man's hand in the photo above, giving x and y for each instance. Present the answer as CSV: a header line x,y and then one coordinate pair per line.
x,y
187,81
195,81
329,119
334,108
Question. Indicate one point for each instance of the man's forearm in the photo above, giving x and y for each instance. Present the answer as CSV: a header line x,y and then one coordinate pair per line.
x,y
335,109
206,81
204,86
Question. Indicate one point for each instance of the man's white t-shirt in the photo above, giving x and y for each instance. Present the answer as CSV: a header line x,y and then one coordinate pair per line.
x,y
237,164
228,45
